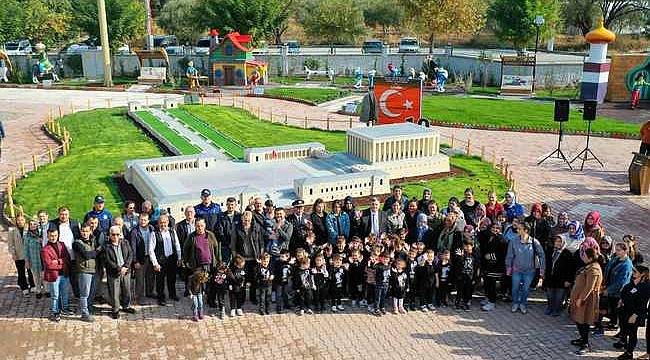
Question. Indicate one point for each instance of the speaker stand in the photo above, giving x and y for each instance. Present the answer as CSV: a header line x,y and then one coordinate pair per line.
x,y
557,153
584,154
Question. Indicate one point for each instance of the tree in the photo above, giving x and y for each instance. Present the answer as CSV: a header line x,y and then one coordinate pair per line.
x,y
260,18
615,11
581,14
178,17
434,17
126,20
335,21
515,19
386,14
46,21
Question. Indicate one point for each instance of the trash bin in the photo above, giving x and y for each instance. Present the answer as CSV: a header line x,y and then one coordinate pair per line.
x,y
639,174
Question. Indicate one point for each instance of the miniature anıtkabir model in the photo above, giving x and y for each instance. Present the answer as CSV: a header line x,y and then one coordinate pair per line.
x,y
375,156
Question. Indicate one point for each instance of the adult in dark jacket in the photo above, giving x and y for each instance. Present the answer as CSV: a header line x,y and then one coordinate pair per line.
x,y
540,228
354,215
373,220
105,217
301,223
142,267
411,213
280,236
559,275
493,262
318,222
450,237
118,260
249,244
207,209
202,249
225,228
633,310
183,230
85,249
165,254
398,196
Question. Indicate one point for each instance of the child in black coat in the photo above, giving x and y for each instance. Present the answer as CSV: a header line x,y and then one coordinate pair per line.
x,y
338,282
321,276
382,279
399,286
236,286
282,275
220,286
303,285
263,281
466,272
356,272
426,278
412,288
443,276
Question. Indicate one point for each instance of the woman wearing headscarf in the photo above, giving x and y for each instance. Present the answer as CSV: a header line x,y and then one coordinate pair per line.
x,y
559,275
593,228
633,249
585,298
574,236
33,246
539,227
423,233
511,207
355,216
483,222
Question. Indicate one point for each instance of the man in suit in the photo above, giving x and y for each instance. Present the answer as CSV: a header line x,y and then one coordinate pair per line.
x,y
373,220
142,267
183,230
300,222
118,258
68,230
165,255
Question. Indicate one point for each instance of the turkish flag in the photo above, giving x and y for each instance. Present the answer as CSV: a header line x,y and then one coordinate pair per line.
x,y
397,101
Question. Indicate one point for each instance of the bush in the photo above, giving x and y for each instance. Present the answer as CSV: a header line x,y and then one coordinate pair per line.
x,y
312,64
75,64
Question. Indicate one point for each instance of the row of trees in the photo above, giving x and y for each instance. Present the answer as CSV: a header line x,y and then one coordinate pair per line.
x,y
58,22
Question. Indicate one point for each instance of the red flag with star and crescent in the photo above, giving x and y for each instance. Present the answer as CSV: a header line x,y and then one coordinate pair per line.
x,y
397,102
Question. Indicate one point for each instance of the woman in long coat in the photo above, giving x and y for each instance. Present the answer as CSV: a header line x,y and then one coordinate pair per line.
x,y
584,298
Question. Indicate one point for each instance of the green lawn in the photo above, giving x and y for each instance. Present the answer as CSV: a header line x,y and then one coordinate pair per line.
x,y
569,93
231,147
101,141
513,114
84,82
315,95
480,176
295,79
181,143
244,128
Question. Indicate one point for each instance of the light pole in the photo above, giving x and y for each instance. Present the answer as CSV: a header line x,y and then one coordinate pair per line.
x,y
539,21
103,34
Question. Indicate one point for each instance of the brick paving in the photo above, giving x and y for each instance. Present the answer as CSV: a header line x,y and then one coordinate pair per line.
x,y
161,333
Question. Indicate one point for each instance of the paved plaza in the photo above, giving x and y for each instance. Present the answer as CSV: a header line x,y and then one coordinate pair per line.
x,y
167,332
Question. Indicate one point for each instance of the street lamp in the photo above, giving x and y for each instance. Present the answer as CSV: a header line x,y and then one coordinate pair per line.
x,y
539,21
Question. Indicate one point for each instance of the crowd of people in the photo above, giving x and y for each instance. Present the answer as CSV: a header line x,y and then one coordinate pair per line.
x,y
415,252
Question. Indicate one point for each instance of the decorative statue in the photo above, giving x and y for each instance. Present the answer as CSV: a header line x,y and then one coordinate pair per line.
x,y
394,71
192,75
371,78
429,67
3,71
442,78
411,73
422,77
637,86
358,76
255,77
43,68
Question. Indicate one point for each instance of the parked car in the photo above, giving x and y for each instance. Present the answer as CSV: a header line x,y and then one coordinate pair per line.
x,y
408,45
164,41
372,47
294,46
202,46
19,47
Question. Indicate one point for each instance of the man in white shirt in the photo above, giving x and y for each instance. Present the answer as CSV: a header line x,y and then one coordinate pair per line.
x,y
374,221
68,231
165,254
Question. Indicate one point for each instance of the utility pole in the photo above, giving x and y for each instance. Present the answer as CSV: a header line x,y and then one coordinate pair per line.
x,y
147,5
103,34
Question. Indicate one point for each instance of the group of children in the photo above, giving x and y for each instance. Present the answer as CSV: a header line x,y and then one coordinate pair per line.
x,y
318,278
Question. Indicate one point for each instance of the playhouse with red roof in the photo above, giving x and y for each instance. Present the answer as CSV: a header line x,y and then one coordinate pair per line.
x,y
233,62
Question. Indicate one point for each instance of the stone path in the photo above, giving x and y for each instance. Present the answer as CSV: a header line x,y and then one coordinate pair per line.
x,y
161,333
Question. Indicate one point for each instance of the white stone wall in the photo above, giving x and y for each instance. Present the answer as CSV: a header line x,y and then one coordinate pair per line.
x,y
336,187
285,152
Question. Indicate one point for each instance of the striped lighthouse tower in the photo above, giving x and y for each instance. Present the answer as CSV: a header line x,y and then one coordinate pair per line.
x,y
595,72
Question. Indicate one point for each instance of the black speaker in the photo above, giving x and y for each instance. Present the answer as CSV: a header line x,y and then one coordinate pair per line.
x,y
589,112
561,110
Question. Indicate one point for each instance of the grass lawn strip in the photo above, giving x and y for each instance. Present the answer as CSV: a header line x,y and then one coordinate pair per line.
x,y
102,140
231,147
180,142
247,130
315,95
514,115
